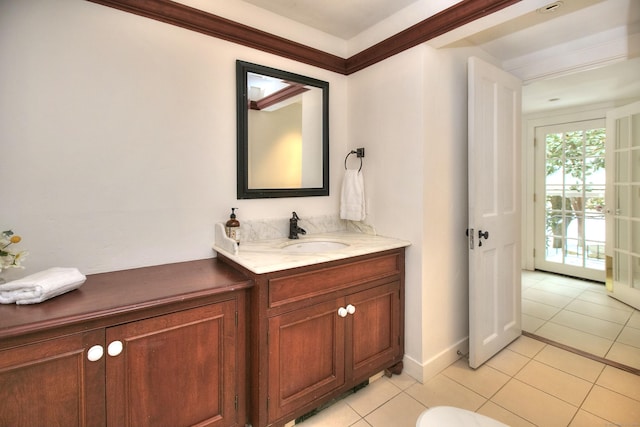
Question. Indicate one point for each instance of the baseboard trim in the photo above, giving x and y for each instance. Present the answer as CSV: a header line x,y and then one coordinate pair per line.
x,y
422,372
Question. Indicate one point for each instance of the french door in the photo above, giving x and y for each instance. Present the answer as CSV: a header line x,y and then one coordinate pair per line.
x,y
623,204
570,199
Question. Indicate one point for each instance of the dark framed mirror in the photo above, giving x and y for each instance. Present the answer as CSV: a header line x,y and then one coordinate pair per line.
x,y
283,133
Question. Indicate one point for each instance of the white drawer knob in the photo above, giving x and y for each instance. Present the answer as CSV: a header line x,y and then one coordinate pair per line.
x,y
95,353
342,312
351,309
115,348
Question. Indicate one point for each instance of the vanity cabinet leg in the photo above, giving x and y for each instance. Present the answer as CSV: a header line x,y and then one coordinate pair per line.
x,y
394,370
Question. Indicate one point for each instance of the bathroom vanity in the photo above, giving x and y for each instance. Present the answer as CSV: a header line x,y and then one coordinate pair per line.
x,y
156,346
258,336
327,313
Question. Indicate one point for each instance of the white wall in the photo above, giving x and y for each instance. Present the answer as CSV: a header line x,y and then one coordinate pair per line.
x,y
386,106
118,137
445,262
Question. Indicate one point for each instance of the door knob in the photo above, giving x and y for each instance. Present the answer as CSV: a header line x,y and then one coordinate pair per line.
x,y
482,235
342,312
351,309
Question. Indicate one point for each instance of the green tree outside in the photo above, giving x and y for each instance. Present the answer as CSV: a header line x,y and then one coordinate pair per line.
x,y
577,155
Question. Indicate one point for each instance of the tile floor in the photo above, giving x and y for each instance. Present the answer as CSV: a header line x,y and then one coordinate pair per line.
x,y
529,383
579,314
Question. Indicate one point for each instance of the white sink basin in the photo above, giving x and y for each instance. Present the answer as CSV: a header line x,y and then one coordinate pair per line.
x,y
314,246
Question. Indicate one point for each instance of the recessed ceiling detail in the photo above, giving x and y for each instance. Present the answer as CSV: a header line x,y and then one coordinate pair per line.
x,y
344,19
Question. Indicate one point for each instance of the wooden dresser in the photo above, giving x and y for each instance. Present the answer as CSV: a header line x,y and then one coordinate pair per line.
x,y
154,346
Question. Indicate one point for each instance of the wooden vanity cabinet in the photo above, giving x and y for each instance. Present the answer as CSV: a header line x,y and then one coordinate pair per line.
x,y
52,383
174,361
314,351
175,370
320,330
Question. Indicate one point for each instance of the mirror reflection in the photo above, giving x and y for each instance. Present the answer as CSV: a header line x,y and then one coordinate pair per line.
x,y
282,133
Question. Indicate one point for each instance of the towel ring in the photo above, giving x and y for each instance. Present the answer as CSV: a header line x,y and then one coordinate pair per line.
x,y
359,154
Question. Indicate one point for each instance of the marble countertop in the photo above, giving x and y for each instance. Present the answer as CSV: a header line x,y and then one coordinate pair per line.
x,y
266,256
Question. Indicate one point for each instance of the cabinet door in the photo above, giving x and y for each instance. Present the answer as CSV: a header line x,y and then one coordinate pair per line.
x,y
373,329
306,356
175,370
52,383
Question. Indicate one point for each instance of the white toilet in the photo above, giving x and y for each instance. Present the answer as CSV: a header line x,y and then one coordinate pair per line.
x,y
448,416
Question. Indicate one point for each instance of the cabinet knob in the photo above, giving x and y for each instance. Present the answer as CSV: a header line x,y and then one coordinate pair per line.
x,y
351,309
342,312
115,348
95,353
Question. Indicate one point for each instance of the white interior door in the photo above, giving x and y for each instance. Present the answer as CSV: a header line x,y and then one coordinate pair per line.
x,y
494,210
623,204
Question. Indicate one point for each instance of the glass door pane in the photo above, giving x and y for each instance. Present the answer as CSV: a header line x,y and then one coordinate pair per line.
x,y
572,164
623,190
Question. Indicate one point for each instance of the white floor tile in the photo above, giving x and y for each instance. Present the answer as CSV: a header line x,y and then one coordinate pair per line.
x,y
634,320
539,310
441,390
621,382
604,299
555,382
625,354
571,363
338,414
531,324
559,289
630,336
373,396
567,281
575,338
547,298
600,311
401,411
588,324
527,346
535,405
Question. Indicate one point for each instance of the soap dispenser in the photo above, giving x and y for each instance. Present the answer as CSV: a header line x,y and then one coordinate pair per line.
x,y
233,227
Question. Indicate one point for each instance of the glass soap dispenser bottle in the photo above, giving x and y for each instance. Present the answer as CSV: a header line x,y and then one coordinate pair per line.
x,y
233,227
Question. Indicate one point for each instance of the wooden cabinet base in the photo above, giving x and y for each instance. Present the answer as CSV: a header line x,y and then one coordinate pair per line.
x,y
319,331
158,346
394,370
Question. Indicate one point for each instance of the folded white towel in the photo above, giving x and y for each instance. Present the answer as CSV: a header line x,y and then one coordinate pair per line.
x,y
352,203
41,286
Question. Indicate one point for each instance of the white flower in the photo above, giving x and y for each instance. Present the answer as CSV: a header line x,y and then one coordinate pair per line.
x,y
8,258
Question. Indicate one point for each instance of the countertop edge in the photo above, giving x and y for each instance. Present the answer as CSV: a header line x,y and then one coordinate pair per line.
x,y
207,278
247,258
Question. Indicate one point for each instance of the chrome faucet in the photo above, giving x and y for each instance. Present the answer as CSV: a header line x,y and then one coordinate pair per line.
x,y
293,227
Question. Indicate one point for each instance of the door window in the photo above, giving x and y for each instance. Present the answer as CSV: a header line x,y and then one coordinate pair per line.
x,y
571,222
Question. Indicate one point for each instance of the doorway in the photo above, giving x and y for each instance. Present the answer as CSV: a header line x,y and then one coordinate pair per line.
x,y
569,199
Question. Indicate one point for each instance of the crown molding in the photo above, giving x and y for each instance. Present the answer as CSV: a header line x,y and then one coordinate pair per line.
x,y
215,26
449,19
206,23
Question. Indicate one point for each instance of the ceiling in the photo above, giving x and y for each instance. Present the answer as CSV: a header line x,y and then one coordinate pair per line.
x,y
583,52
341,18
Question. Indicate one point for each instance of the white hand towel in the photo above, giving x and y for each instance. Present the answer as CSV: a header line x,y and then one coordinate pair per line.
x,y
352,203
41,286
